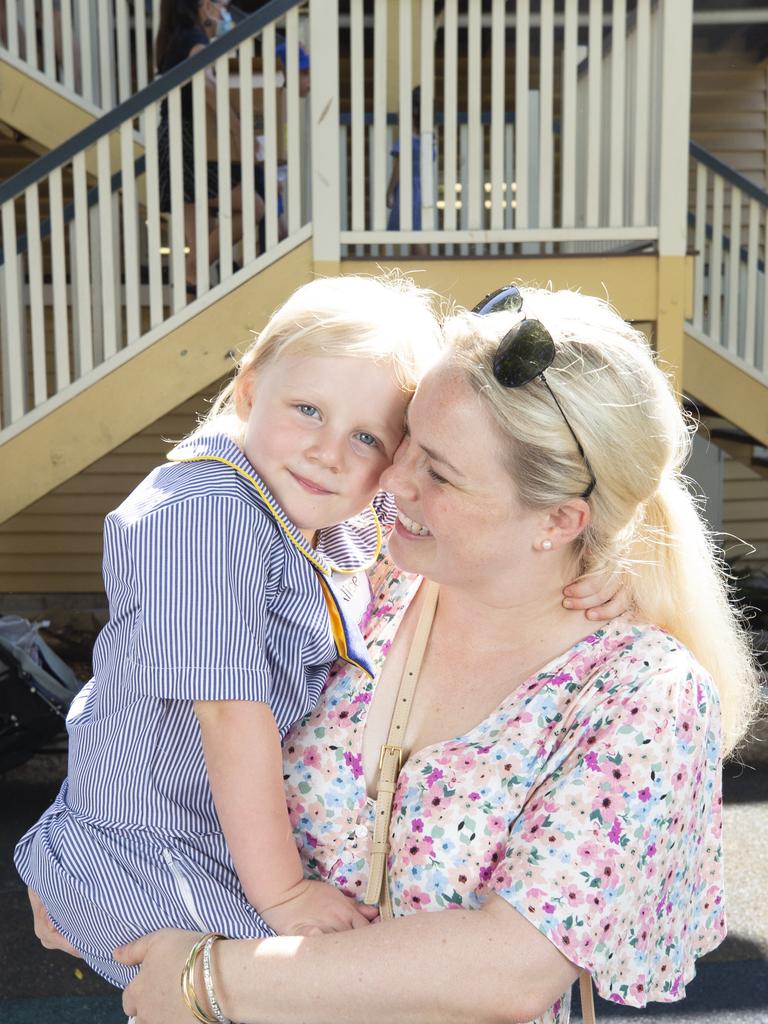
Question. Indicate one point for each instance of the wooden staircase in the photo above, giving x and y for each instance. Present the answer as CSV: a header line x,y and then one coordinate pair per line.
x,y
39,111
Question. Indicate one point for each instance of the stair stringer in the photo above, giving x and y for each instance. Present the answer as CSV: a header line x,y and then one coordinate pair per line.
x,y
39,110
148,385
721,384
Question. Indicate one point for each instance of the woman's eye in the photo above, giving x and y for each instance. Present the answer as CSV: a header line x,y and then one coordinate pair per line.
x,y
436,476
367,439
307,410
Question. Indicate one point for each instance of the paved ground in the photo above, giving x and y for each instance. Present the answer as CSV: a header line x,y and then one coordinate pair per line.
x,y
41,987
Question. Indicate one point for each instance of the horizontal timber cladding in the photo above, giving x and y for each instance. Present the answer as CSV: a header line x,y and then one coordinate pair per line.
x,y
745,517
729,107
55,545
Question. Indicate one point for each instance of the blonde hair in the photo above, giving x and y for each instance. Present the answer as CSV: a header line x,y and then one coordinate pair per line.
x,y
387,319
644,520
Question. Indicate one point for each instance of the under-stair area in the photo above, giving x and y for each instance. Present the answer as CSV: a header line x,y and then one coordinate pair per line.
x,y
541,159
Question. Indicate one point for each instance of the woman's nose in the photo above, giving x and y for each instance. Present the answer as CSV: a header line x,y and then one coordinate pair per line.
x,y
400,477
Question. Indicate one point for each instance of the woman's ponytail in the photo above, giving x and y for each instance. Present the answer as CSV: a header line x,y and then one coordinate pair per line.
x,y
678,580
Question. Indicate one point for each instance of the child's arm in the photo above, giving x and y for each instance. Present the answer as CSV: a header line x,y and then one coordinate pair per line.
x,y
243,756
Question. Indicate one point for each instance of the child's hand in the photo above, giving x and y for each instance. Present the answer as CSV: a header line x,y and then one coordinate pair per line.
x,y
600,597
312,908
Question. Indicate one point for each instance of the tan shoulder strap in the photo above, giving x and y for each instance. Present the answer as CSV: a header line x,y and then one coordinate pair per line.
x,y
391,756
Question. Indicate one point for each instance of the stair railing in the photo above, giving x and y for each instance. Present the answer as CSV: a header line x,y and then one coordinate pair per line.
x,y
94,52
564,155
86,283
728,220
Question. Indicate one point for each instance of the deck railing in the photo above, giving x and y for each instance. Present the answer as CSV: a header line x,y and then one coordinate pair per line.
x,y
537,129
728,230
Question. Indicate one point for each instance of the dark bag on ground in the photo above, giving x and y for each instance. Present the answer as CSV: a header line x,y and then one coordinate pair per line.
x,y
36,689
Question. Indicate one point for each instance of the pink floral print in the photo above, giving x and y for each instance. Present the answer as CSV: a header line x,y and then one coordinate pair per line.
x,y
589,800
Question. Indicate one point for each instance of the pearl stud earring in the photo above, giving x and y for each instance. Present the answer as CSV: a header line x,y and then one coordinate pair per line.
x,y
546,544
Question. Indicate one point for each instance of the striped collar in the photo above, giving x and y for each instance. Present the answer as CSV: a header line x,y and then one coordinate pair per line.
x,y
349,547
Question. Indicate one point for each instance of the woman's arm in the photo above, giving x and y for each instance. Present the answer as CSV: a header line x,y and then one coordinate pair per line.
x,y
241,744
485,966
46,930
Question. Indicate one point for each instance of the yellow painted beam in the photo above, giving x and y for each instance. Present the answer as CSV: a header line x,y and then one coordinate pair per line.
x,y
47,117
725,388
675,305
147,386
630,283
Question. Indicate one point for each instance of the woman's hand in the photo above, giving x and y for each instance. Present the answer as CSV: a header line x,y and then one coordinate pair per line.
x,y
600,597
154,995
45,929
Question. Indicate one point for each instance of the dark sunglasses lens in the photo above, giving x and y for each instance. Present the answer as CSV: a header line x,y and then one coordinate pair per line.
x,y
525,352
505,299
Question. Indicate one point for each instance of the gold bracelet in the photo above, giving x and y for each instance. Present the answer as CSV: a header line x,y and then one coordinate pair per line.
x,y
188,981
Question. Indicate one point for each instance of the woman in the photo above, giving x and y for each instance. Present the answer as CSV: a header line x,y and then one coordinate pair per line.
x,y
186,27
561,796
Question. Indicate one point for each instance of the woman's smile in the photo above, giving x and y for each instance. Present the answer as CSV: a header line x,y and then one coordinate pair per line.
x,y
413,528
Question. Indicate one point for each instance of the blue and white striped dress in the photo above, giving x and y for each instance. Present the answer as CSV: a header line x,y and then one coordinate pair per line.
x,y
213,595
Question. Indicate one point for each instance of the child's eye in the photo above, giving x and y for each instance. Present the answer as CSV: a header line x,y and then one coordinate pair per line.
x,y
307,410
367,439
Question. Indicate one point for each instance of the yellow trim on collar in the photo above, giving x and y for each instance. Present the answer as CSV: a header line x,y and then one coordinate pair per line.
x,y
337,627
280,515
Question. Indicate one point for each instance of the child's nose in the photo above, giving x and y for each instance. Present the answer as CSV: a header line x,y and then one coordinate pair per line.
x,y
327,450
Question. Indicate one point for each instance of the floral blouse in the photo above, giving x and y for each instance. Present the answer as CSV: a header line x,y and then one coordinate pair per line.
x,y
590,800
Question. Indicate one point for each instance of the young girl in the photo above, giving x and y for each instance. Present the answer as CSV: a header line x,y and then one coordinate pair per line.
x,y
232,589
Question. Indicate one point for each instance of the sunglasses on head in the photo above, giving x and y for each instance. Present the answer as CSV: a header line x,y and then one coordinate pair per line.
x,y
524,353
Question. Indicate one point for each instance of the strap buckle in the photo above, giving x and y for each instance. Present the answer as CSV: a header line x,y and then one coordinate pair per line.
x,y
393,750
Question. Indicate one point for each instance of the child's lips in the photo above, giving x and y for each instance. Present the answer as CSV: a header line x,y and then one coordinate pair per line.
x,y
309,485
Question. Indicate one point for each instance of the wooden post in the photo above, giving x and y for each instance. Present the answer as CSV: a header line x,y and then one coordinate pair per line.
x,y
324,100
677,30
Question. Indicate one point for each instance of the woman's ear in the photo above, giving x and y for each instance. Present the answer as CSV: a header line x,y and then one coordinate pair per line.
x,y
565,522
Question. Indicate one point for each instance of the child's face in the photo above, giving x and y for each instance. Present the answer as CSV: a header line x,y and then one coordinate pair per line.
x,y
320,432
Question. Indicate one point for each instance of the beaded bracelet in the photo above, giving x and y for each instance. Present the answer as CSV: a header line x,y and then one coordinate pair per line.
x,y
208,978
188,981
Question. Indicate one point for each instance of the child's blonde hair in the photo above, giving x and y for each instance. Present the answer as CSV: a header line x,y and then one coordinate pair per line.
x,y
644,520
387,319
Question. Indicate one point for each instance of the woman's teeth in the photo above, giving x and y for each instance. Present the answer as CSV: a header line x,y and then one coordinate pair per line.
x,y
411,526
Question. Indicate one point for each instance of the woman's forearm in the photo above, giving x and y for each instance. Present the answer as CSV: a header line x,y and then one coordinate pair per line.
x,y
489,966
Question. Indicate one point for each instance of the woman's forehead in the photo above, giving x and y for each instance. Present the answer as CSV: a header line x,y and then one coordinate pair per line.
x,y
447,415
